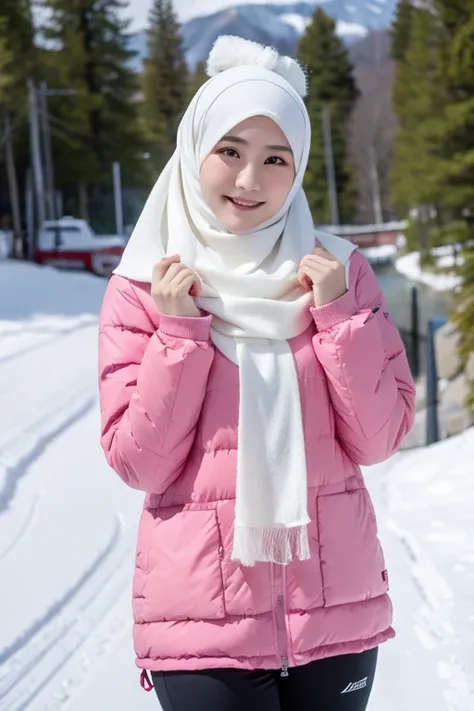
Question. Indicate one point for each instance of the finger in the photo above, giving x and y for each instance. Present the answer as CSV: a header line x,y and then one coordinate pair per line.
x,y
160,269
324,254
196,288
183,283
316,264
181,275
197,281
321,252
321,259
174,269
308,275
304,280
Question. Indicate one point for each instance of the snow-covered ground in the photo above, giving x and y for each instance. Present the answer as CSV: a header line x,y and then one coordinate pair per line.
x,y
6,243
380,254
409,266
68,526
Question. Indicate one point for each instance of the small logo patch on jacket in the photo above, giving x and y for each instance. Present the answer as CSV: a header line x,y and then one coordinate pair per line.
x,y
355,686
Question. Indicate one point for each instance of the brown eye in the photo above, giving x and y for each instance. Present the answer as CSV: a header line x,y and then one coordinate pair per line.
x,y
229,152
275,160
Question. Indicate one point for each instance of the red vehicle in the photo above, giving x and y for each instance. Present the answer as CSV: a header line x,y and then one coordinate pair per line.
x,y
72,244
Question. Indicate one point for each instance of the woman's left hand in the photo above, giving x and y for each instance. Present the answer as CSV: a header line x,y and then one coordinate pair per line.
x,y
324,274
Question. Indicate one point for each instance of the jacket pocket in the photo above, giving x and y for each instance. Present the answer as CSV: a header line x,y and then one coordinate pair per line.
x,y
304,586
180,567
352,561
247,590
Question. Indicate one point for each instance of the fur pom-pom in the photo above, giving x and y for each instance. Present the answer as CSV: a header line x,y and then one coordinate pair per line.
x,y
229,51
294,74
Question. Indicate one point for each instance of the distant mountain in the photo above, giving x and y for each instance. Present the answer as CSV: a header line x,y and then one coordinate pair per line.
x,y
279,25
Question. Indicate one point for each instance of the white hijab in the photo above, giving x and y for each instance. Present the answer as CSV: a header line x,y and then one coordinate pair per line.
x,y
249,286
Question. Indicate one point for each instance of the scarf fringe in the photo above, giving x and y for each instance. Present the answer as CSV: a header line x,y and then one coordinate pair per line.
x,y
270,545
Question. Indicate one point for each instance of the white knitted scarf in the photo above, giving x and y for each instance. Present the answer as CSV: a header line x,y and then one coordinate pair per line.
x,y
249,287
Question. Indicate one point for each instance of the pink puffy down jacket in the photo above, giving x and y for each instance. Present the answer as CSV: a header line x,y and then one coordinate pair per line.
x,y
169,404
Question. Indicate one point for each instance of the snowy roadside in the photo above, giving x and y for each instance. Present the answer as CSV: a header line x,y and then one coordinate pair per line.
x,y
409,266
424,500
68,526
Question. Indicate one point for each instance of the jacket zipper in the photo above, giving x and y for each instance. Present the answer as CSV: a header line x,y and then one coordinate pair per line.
x,y
280,618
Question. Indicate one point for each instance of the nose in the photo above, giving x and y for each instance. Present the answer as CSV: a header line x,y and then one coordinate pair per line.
x,y
248,179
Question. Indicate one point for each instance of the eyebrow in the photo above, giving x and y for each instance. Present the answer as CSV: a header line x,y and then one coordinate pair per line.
x,y
242,141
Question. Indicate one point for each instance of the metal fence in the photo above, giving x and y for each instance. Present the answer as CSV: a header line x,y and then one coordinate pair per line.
x,y
413,338
432,422
421,354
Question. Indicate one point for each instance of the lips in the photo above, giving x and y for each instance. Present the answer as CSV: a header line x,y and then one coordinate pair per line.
x,y
242,204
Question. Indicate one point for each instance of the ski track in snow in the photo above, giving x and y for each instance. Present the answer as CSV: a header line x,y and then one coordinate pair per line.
x,y
31,661
34,421
26,526
19,339
13,473
434,624
50,397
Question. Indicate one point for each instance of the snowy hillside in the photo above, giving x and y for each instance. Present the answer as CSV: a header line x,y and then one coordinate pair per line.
x,y
68,527
278,24
187,11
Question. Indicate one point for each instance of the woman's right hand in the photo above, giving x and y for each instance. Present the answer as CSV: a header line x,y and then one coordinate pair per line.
x,y
173,287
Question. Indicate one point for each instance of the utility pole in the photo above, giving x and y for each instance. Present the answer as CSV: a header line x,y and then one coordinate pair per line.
x,y
330,170
44,92
36,163
375,182
30,213
48,152
118,198
12,181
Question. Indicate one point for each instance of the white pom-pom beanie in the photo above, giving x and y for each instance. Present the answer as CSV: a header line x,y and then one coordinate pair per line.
x,y
229,52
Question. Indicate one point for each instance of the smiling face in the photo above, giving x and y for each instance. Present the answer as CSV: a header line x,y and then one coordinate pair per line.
x,y
247,176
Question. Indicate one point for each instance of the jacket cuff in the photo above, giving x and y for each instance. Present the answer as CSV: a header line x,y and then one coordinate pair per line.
x,y
191,328
335,312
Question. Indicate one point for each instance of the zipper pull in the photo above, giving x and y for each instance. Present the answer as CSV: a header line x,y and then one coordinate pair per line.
x,y
371,313
145,682
284,667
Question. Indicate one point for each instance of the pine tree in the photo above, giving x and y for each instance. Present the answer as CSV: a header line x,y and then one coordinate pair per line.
x,y
455,170
332,86
99,124
464,313
434,168
417,103
19,38
165,82
19,60
6,57
455,175
401,29
197,79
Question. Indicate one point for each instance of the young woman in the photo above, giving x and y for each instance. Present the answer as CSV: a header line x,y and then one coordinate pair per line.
x,y
248,366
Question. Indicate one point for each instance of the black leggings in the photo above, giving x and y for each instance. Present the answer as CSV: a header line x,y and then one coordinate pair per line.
x,y
335,684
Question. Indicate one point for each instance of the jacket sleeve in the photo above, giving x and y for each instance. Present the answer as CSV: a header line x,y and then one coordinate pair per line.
x,y
152,384
370,385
